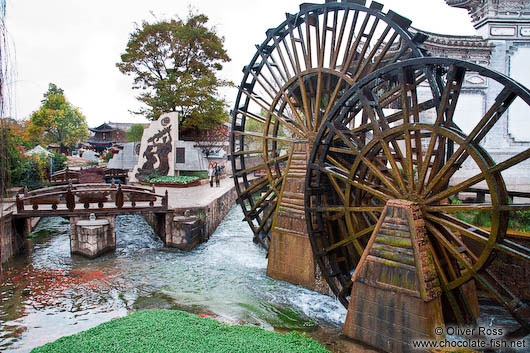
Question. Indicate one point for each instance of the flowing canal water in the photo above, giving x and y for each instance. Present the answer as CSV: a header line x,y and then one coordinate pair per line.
x,y
49,293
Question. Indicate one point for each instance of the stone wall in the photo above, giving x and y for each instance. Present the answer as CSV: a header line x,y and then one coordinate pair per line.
x,y
212,214
12,236
158,223
126,158
513,273
185,228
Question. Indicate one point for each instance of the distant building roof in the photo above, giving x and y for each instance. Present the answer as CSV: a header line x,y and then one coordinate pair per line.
x,y
110,126
102,128
38,150
126,126
471,48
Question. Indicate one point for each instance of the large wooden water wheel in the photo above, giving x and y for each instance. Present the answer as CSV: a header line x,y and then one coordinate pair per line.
x,y
297,74
396,135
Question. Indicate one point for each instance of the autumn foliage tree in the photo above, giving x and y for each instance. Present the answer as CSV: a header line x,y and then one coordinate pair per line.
x,y
175,64
57,121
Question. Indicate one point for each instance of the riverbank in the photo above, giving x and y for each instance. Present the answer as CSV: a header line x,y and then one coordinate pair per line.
x,y
195,213
178,331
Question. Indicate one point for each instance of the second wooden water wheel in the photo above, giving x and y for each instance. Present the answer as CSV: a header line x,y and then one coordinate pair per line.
x,y
396,135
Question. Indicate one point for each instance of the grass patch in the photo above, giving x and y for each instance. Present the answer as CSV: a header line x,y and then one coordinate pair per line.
x,y
178,331
171,179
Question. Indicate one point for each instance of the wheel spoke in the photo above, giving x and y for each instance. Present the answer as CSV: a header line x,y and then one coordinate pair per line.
x,y
264,137
504,297
262,199
351,239
377,134
440,270
472,232
461,260
266,218
501,105
480,177
338,208
373,168
405,83
335,52
441,110
267,107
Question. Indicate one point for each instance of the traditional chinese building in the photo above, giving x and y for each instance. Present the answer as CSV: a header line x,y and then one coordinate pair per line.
x,y
105,136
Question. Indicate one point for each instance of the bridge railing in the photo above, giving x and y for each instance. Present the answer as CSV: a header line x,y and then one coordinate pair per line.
x,y
67,175
64,176
90,198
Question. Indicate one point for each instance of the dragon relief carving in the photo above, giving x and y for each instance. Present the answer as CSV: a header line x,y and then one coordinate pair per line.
x,y
158,149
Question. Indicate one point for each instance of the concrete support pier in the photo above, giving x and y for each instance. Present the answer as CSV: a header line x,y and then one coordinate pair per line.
x,y
290,254
92,237
186,232
396,295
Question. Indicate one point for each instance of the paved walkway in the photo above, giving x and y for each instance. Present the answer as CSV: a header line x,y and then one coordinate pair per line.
x,y
197,196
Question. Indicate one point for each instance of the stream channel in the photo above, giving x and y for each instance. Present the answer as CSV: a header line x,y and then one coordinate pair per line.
x,y
48,293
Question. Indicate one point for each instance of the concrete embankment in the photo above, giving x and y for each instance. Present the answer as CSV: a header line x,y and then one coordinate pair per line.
x,y
195,213
13,232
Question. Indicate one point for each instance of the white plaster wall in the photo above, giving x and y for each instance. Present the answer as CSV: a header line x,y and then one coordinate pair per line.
x,y
193,157
469,110
519,117
126,158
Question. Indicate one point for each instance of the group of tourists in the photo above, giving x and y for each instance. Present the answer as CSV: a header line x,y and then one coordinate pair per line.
x,y
214,171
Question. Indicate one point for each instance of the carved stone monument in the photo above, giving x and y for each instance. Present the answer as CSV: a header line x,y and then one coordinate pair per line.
x,y
157,153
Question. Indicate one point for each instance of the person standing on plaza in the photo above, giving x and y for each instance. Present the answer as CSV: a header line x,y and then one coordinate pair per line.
x,y
216,172
211,174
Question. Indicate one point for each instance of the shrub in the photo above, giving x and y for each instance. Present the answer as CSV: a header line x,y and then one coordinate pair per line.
x,y
34,173
108,157
59,161
169,179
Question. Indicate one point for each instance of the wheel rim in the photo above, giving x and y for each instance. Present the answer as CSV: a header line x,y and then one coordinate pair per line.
x,y
366,155
297,74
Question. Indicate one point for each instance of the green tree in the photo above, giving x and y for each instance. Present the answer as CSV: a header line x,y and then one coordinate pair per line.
x,y
135,133
12,166
57,121
175,65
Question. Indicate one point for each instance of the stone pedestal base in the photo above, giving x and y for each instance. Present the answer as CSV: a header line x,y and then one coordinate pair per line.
x,y
390,320
396,294
92,238
291,259
185,234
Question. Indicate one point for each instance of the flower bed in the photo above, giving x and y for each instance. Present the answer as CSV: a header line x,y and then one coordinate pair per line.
x,y
173,181
177,331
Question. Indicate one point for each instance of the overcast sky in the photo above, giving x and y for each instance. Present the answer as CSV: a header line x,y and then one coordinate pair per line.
x,y
76,44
